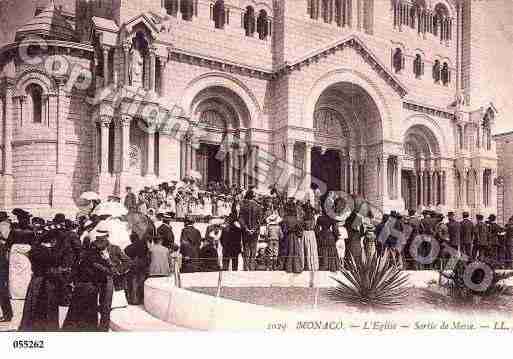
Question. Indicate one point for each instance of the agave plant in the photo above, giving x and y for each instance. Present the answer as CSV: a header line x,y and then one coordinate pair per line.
x,y
370,281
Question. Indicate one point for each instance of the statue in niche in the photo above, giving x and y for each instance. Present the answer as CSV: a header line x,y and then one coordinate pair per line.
x,y
136,67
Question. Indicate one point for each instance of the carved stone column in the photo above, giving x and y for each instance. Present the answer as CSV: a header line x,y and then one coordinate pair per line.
x,y
104,143
150,159
126,64
105,51
153,69
384,175
289,165
308,165
124,123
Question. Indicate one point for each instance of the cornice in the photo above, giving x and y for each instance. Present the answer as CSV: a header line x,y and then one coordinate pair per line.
x,y
428,110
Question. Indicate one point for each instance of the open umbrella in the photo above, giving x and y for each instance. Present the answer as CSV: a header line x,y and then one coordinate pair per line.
x,y
90,196
114,209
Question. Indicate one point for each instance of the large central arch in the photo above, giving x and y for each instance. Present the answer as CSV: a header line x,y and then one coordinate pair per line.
x,y
223,117
348,81
423,181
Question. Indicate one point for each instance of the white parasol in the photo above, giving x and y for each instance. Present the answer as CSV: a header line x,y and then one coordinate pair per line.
x,y
90,196
114,209
118,231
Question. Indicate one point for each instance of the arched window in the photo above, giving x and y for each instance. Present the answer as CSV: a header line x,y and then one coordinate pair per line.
x,y
445,74
249,21
187,9
459,191
440,15
398,60
487,175
35,97
262,25
219,14
418,66
313,9
461,137
413,16
327,11
487,130
171,7
436,71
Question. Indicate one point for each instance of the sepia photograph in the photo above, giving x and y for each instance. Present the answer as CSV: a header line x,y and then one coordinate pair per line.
x,y
255,166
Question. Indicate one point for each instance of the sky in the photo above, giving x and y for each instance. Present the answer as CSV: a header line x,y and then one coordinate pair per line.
x,y
496,82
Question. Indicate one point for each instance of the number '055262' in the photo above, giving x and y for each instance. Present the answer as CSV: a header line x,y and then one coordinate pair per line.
x,y
28,344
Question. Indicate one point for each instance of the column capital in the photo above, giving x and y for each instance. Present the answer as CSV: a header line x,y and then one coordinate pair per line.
x,y
21,98
123,121
152,50
104,120
127,45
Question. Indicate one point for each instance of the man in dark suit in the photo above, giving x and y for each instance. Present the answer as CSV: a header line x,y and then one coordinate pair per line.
x,y
164,230
250,218
192,238
481,243
5,301
467,236
231,239
416,228
494,240
508,243
454,229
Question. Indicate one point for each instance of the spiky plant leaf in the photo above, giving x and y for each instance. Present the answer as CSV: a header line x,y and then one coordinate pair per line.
x,y
372,281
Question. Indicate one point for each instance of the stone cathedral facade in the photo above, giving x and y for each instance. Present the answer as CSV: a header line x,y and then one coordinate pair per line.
x,y
372,97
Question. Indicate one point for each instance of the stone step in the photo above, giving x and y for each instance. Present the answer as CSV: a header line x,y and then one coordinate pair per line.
x,y
136,319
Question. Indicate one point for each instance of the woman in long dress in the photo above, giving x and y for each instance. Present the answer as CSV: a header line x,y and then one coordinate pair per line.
x,y
92,273
326,240
293,230
309,239
51,258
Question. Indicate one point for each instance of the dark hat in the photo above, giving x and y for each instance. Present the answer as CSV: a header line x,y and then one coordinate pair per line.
x,y
188,220
156,237
492,217
100,244
18,212
39,221
3,216
479,216
450,214
59,218
465,214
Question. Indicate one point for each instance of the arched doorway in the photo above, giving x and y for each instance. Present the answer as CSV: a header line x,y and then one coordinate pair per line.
x,y
219,150
346,124
423,179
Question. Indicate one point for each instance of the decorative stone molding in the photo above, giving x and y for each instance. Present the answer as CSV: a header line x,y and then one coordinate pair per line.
x,y
429,110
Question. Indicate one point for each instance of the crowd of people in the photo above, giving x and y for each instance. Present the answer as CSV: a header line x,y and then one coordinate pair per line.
x,y
78,264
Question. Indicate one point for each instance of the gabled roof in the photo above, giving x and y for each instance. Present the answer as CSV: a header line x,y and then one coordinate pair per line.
x,y
49,23
150,20
354,42
101,23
